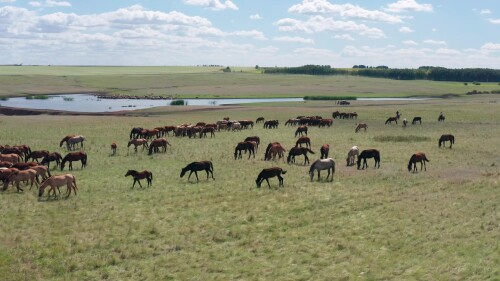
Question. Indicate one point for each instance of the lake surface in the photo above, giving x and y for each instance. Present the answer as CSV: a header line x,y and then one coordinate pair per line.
x,y
90,103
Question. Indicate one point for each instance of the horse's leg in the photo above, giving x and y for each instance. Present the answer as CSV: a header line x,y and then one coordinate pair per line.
x,y
196,174
306,159
280,178
267,179
134,183
190,173
139,182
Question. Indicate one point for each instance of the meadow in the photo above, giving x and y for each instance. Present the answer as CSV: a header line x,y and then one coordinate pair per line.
x,y
374,224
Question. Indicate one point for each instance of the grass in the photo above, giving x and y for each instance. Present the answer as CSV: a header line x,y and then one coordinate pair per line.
x,y
376,224
411,138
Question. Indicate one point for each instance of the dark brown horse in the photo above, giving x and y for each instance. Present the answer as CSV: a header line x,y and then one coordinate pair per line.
x,y
74,156
441,117
296,151
274,149
206,130
244,146
417,157
361,126
156,144
369,153
37,154
300,130
135,132
255,139
65,139
265,174
416,119
137,176
54,156
445,138
391,119
113,148
198,166
259,120
303,140
325,148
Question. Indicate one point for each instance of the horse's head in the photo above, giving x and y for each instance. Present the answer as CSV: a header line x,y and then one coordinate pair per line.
x,y
129,173
183,172
258,183
42,187
62,165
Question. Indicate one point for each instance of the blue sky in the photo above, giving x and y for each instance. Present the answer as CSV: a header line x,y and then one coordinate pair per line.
x,y
396,33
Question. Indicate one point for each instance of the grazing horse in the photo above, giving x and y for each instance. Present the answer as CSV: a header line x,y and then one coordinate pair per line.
x,y
57,181
361,126
405,122
54,156
113,148
267,154
416,119
198,166
139,176
296,151
322,164
265,174
246,146
156,144
74,156
12,158
390,119
351,155
417,157
259,120
135,132
369,153
42,171
206,130
300,130
274,149
65,139
445,138
35,155
303,140
325,148
25,175
137,142
441,117
72,142
255,139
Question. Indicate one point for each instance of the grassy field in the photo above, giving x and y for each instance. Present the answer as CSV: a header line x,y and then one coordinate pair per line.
x,y
374,224
211,82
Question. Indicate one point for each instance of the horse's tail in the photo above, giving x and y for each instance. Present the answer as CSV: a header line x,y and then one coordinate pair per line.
x,y
74,183
150,150
425,159
267,151
439,142
409,164
211,165
312,152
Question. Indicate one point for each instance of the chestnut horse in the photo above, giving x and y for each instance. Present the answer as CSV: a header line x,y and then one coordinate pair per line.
x,y
12,158
198,166
274,149
253,138
74,156
417,157
25,175
206,130
156,144
369,153
137,176
57,181
303,140
37,154
295,151
445,138
325,148
265,174
137,142
259,120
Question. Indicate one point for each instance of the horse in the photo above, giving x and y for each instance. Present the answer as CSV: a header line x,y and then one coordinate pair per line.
x,y
139,176
206,130
259,120
361,126
369,153
71,142
417,157
5,164
57,181
441,117
303,140
42,171
54,156
74,156
37,154
256,139
65,139
322,164
24,165
246,146
300,130
198,166
405,123
416,119
351,155
12,158
25,175
267,154
295,151
137,142
265,174
155,145
14,150
445,138
135,132
113,148
325,148
274,149
390,119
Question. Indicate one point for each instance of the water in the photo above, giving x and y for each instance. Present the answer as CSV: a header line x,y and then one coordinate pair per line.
x,y
90,103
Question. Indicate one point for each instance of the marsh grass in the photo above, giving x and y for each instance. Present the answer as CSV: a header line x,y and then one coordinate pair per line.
x,y
373,224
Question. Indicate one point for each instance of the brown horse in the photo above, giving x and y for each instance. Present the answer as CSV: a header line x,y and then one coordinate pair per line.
x,y
13,150
57,181
12,158
300,130
259,120
253,138
74,156
113,148
135,132
24,165
244,146
325,148
445,138
65,139
273,150
296,151
54,156
26,175
265,174
137,176
441,118
138,142
198,166
42,171
369,153
303,140
361,126
156,144
37,154
391,119
417,157
206,130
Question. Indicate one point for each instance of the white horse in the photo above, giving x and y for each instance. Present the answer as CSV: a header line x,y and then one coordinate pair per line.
x,y
71,143
322,164
351,156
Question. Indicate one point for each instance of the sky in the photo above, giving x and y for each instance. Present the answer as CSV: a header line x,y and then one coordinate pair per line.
x,y
394,33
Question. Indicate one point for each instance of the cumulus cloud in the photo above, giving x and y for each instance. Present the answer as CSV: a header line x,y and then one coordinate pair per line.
x,y
434,42
410,42
7,1
294,39
405,29
255,17
344,37
215,5
408,5
491,47
346,11
50,3
485,12
449,52
494,21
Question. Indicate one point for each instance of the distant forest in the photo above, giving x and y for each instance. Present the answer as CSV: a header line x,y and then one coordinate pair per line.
x,y
422,73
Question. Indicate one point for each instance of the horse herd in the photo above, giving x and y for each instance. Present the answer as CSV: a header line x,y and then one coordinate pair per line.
x,y
13,170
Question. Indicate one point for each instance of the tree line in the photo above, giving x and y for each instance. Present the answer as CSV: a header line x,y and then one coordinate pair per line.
x,y
421,73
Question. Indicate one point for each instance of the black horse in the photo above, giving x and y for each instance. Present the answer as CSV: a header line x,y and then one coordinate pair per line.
x,y
198,166
445,138
136,132
244,146
369,153
54,156
265,174
416,119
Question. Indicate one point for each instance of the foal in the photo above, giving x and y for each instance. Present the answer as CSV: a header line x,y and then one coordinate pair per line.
x,y
325,148
113,148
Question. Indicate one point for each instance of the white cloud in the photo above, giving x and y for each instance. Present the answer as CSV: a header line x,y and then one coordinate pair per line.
x,y
491,47
255,17
344,37
494,21
446,51
346,11
485,12
215,5
35,4
434,30
405,29
7,1
434,42
410,42
319,23
408,5
50,3
295,39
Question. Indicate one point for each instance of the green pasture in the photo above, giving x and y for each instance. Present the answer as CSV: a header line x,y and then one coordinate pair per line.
x,y
211,82
374,224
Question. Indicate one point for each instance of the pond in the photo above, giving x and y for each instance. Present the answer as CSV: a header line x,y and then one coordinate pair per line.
x,y
91,103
